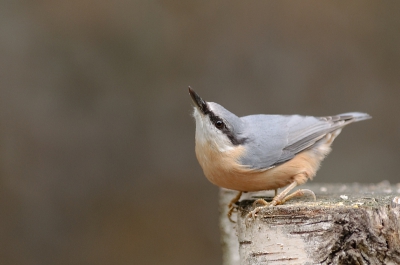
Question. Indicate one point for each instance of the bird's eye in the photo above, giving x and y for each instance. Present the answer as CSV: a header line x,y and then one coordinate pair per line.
x,y
219,124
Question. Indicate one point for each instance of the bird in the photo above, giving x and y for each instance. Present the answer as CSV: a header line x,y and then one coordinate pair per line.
x,y
263,152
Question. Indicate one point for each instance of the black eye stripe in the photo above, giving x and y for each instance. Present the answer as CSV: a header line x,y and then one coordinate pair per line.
x,y
224,129
217,121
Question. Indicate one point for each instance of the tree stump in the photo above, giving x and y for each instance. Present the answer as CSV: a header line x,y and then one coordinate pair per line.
x,y
347,224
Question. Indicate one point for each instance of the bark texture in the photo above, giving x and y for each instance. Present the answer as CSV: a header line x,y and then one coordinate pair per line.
x,y
348,224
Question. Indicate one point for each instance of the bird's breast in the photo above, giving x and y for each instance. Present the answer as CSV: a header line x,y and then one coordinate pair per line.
x,y
224,170
219,167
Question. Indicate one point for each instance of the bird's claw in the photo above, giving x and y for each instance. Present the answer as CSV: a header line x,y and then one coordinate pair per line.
x,y
252,215
276,201
232,209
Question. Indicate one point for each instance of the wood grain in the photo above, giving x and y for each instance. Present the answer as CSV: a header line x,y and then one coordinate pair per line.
x,y
348,224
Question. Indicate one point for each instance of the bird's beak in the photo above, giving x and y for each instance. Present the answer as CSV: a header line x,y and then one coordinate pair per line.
x,y
199,102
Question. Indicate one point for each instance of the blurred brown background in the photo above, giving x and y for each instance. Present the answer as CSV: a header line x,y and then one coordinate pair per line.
x,y
97,161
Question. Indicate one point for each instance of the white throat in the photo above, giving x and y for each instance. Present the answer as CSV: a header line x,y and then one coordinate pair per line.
x,y
208,134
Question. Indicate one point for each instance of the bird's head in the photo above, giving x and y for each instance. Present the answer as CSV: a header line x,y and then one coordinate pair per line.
x,y
216,126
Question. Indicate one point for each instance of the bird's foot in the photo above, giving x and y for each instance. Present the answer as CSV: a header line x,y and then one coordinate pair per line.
x,y
278,200
232,206
252,215
232,209
298,193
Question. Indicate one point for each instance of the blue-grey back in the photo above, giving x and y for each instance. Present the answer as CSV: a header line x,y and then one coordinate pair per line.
x,y
274,139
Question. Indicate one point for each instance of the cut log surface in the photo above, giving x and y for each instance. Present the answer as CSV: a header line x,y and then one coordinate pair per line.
x,y
347,224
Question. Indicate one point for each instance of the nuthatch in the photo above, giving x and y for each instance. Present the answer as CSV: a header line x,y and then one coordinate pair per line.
x,y
263,152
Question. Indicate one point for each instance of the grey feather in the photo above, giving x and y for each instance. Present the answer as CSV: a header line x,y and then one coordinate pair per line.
x,y
274,139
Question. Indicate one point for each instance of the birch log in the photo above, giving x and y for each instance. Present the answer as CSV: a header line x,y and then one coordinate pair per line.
x,y
347,224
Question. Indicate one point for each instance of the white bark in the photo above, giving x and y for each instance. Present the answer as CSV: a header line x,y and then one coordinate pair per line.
x,y
348,224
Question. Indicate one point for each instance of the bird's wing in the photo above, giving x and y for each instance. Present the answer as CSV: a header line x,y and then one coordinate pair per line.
x,y
275,139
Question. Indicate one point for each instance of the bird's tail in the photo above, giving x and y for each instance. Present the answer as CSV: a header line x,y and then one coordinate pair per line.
x,y
354,116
